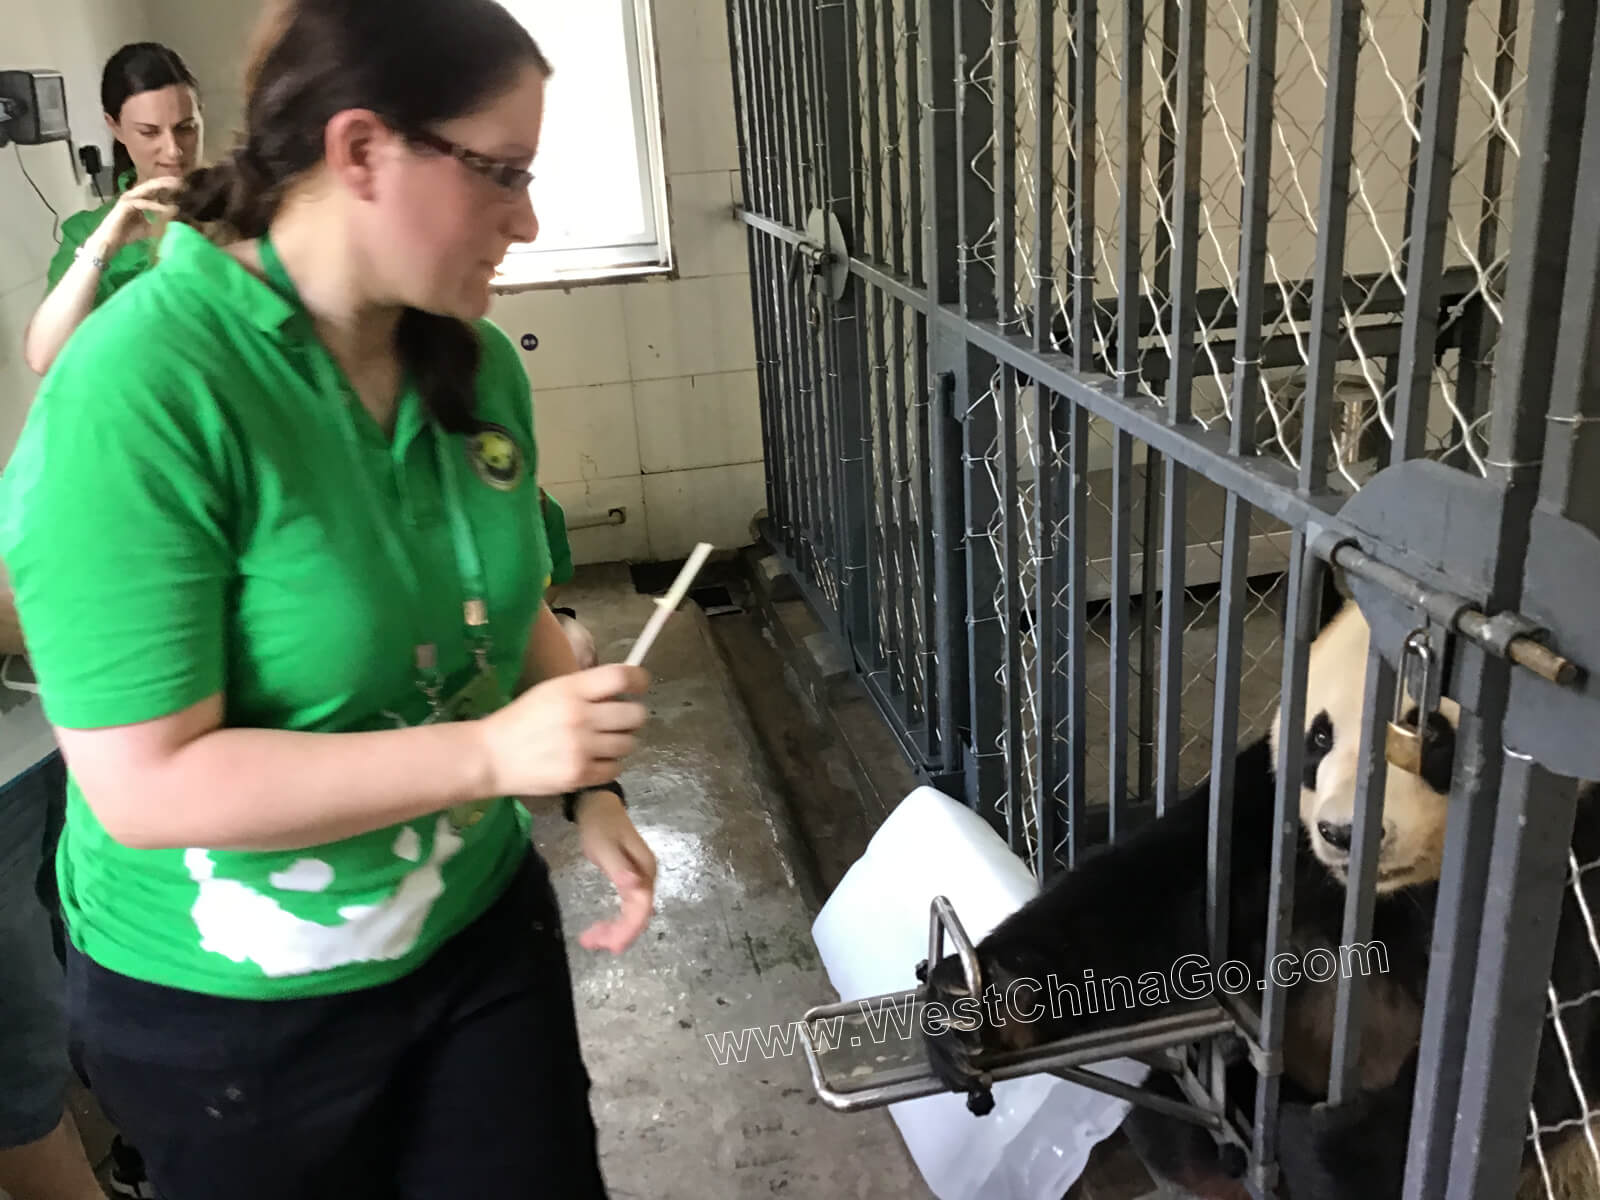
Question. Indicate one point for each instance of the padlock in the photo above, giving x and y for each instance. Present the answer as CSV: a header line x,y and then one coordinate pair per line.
x,y
1405,743
1403,747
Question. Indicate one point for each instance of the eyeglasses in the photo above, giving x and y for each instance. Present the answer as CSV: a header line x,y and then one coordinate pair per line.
x,y
496,171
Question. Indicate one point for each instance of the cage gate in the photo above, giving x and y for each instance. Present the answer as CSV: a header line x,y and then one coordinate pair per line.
x,y
1090,336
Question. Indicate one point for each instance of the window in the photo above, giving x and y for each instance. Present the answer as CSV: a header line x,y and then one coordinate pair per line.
x,y
599,183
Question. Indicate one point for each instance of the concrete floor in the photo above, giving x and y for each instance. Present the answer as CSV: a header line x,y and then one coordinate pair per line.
x,y
729,948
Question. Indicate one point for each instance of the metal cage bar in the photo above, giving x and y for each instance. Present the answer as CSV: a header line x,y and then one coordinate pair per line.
x,y
1077,736
1533,823
989,709
1190,70
1446,37
1002,54
1053,705
941,262
886,637
911,688
1571,478
1361,895
1085,63
839,156
1333,205
1305,581
1476,338
1066,455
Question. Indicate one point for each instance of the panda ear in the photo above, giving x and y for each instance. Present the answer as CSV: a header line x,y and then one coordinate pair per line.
x,y
1439,751
1340,581
1335,594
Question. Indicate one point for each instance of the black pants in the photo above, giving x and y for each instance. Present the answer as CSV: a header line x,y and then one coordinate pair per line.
x,y
464,1079
54,773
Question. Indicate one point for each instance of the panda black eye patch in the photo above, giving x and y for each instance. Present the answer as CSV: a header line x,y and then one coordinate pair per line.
x,y
1319,740
1438,750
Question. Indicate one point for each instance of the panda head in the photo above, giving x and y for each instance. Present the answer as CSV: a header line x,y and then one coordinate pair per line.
x,y
1414,805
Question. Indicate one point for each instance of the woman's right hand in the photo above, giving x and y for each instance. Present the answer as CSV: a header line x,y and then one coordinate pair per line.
x,y
125,223
565,734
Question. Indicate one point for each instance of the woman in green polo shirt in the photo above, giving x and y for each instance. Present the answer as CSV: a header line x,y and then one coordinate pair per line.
x,y
274,531
152,108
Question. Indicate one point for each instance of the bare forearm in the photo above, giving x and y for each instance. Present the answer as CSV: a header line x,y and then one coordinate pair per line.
x,y
264,789
63,310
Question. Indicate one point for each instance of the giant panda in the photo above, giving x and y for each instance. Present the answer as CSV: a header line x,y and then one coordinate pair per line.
x,y
1132,910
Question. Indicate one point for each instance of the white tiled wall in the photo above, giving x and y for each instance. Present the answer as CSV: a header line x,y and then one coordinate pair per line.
x,y
685,505
690,327
74,37
698,421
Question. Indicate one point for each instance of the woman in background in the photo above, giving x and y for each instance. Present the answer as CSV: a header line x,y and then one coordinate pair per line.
x,y
152,108
274,530
151,105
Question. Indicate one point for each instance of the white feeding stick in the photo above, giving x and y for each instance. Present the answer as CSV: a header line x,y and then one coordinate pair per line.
x,y
668,604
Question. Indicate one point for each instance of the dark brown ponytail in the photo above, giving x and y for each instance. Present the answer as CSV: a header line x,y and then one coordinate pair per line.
x,y
414,62
442,355
235,194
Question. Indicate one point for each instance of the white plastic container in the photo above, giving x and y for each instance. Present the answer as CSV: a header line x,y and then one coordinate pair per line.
x,y
872,933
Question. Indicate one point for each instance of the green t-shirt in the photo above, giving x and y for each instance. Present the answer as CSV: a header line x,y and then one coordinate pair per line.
x,y
185,515
131,261
555,532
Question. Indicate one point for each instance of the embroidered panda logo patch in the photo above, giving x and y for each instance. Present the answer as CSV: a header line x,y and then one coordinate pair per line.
x,y
496,459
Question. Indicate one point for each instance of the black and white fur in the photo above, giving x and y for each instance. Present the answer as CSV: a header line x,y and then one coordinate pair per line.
x,y
1139,906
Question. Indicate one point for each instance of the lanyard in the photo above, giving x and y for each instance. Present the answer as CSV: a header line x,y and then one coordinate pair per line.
x,y
474,608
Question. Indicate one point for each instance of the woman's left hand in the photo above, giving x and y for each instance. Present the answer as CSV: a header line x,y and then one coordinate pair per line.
x,y
611,843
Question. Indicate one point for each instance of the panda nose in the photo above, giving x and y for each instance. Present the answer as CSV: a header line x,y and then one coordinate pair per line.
x,y
1337,836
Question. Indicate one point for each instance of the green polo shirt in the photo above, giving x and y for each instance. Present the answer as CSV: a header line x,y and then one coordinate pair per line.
x,y
184,515
126,264
555,532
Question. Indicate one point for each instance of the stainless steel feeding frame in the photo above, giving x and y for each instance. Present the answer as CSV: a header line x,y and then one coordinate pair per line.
x,y
909,1078
1085,331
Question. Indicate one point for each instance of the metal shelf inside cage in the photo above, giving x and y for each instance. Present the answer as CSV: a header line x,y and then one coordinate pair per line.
x,y
869,1053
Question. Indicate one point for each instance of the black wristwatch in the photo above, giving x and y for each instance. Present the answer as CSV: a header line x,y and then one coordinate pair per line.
x,y
569,801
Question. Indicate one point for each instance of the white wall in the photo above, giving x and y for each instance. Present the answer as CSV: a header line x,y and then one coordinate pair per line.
x,y
74,37
211,37
645,392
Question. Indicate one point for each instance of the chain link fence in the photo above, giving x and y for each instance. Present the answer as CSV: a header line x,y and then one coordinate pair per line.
x,y
1570,1012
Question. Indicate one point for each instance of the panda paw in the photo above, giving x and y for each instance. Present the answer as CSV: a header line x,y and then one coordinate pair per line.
x,y
953,1044
960,1031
